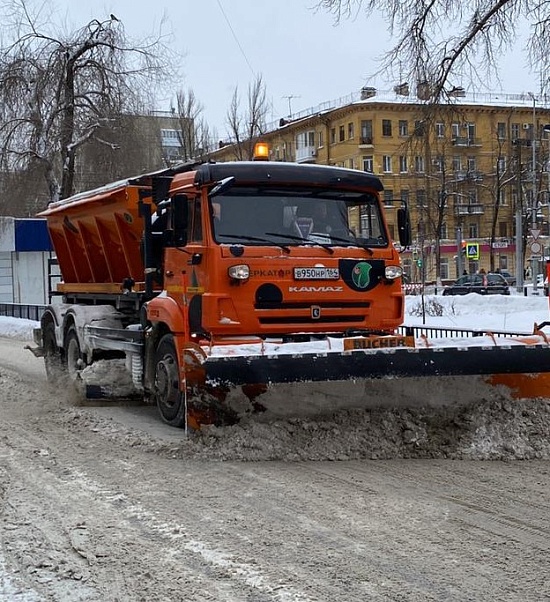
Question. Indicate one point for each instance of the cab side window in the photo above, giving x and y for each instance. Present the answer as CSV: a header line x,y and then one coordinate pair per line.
x,y
195,220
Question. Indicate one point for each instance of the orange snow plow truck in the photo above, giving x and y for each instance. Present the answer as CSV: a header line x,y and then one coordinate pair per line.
x,y
221,290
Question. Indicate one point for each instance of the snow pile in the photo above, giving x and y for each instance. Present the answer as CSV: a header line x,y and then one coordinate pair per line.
x,y
17,328
488,430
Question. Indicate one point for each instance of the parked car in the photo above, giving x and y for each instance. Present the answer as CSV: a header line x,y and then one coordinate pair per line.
x,y
482,284
511,280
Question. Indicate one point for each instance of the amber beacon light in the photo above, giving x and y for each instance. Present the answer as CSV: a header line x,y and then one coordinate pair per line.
x,y
261,151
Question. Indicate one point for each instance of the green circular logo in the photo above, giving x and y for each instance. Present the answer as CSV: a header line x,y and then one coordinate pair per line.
x,y
360,274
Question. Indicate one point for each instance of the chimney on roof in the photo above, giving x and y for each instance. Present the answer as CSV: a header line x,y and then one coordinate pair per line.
x,y
367,92
402,89
423,90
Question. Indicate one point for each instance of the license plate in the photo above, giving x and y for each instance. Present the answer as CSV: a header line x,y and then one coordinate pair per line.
x,y
316,273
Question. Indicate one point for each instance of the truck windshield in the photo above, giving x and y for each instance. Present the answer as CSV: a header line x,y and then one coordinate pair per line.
x,y
252,216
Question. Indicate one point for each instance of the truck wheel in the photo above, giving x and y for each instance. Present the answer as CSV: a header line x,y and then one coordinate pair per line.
x,y
170,400
73,354
52,353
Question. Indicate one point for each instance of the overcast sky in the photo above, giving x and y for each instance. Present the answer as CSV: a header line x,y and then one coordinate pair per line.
x,y
303,57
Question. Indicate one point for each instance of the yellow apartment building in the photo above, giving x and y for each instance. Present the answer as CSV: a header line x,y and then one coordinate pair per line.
x,y
474,171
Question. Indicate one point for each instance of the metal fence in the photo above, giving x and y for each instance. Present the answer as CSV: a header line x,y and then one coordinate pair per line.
x,y
34,312
19,310
439,332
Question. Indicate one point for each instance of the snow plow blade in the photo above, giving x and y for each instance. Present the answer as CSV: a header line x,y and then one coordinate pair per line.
x,y
308,384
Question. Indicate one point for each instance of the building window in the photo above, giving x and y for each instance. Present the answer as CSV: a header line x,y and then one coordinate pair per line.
x,y
403,167
351,131
171,137
471,163
388,197
405,195
455,130
457,163
440,130
386,127
444,268
305,140
502,198
473,230
386,164
332,135
368,163
503,229
503,262
403,127
514,131
366,131
501,130
438,164
419,165
341,133
419,128
471,132
501,164
421,198
321,139
443,231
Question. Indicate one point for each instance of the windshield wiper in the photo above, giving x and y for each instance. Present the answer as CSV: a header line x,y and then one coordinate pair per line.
x,y
303,241
353,243
285,248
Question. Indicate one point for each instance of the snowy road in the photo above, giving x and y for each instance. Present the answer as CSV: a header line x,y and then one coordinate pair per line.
x,y
106,503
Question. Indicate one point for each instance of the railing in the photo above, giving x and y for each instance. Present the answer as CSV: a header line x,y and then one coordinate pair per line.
x,y
20,310
443,333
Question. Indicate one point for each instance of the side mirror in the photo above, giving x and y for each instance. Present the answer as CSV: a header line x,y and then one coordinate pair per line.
x,y
404,226
180,217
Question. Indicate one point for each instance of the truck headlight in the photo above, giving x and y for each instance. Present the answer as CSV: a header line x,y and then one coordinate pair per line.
x,y
239,272
393,271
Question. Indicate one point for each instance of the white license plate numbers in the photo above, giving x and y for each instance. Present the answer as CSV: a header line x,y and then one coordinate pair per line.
x,y
316,273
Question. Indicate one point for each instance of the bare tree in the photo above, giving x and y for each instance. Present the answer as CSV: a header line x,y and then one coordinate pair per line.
x,y
245,129
57,91
194,133
437,39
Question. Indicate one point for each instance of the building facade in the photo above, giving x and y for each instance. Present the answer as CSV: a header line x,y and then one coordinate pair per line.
x,y
473,171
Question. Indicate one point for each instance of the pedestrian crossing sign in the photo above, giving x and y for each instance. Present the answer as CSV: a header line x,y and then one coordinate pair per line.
x,y
472,250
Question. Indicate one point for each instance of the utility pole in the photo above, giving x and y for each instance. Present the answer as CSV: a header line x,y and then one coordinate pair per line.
x,y
459,264
534,257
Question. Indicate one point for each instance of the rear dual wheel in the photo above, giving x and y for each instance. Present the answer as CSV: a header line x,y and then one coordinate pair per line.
x,y
52,354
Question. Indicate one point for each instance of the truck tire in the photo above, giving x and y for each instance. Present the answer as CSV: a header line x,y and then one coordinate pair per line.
x,y
170,400
73,354
52,354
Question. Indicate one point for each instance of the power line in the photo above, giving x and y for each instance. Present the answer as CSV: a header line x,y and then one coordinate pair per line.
x,y
235,38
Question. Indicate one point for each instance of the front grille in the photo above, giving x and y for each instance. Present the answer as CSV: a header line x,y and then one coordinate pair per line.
x,y
308,304
309,320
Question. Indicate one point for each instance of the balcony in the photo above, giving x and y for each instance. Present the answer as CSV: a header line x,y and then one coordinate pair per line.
x,y
470,176
466,141
472,209
365,142
306,154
